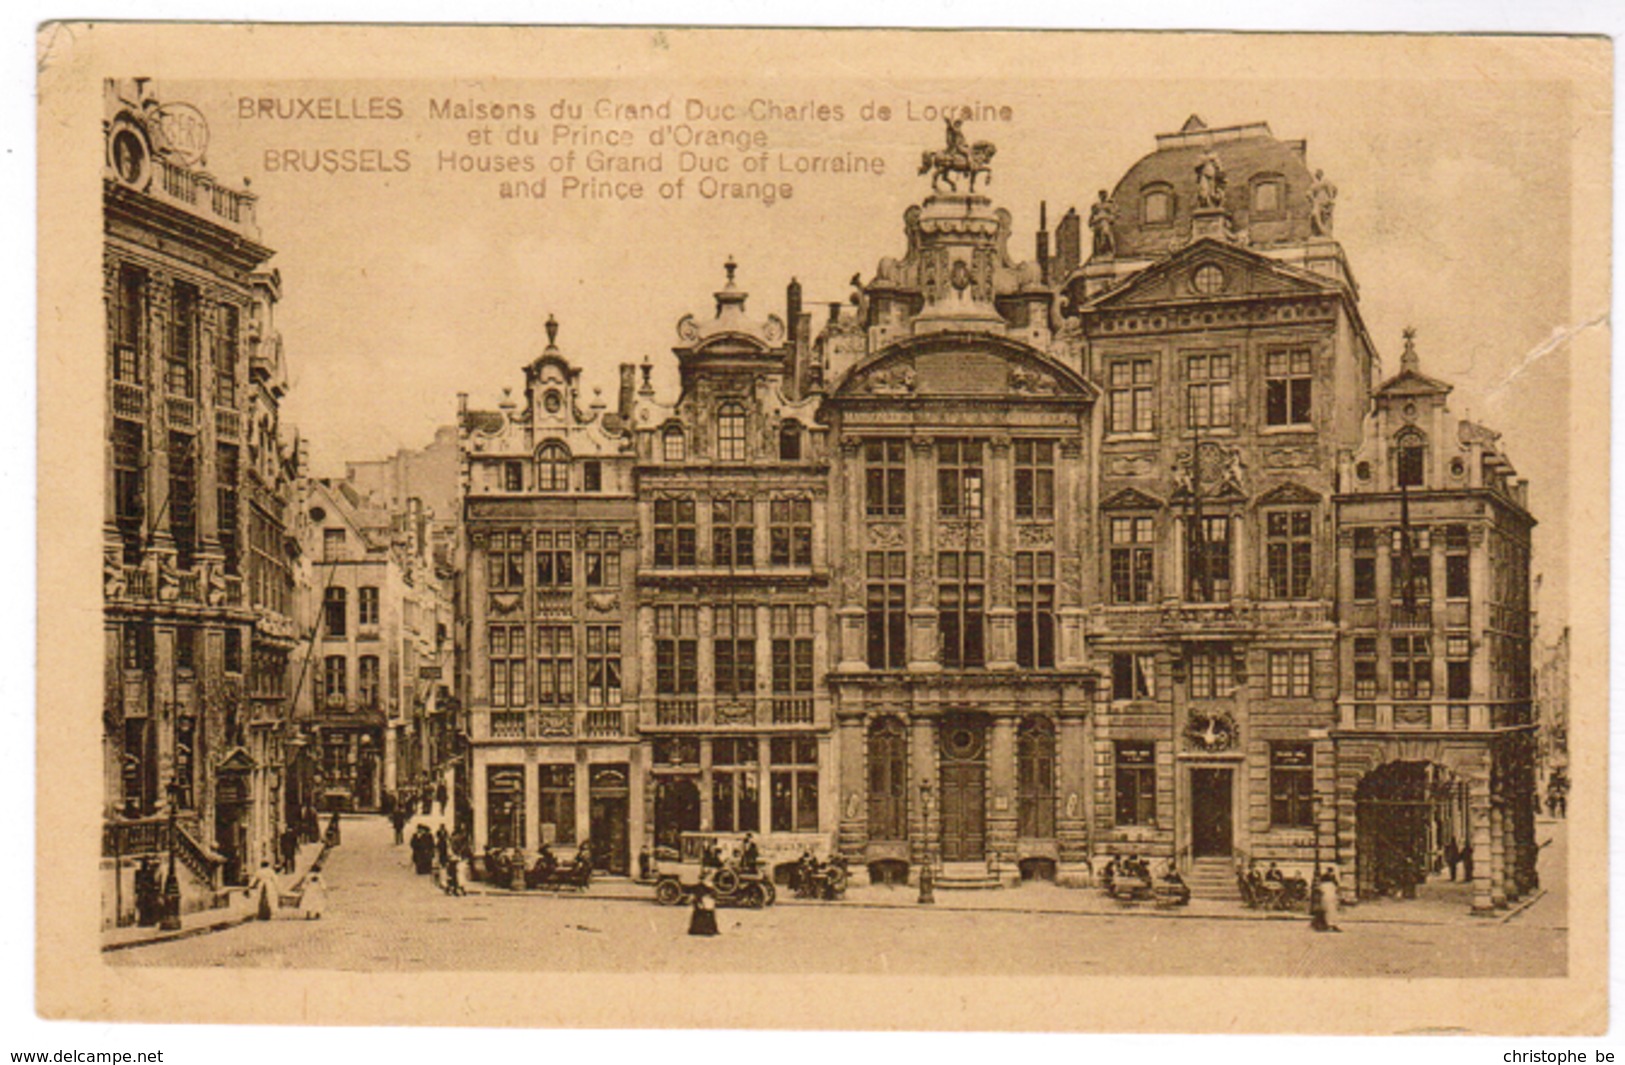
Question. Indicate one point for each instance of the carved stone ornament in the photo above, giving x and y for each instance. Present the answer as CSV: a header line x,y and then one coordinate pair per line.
x,y
602,602
1031,382
773,331
1289,457
1035,535
1210,730
1218,470
688,330
736,714
555,723
1130,465
887,535
113,582
895,380
505,603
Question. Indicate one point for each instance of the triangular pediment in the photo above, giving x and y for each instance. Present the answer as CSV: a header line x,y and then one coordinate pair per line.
x,y
1130,499
1289,492
1236,273
1412,383
967,366
236,760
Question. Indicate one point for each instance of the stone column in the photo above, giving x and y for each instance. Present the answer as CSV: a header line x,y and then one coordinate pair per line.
x,y
998,508
922,612
923,815
1174,557
533,802
1241,571
707,672
1072,755
1001,818
1480,833
482,826
646,659
1072,532
764,663
853,785
1498,855
848,542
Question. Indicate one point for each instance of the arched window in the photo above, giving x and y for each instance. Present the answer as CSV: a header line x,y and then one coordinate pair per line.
x,y
673,445
731,433
790,441
552,468
1035,779
888,779
1410,459
1157,205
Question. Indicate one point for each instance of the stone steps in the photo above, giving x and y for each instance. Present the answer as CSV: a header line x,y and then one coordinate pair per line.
x,y
1213,878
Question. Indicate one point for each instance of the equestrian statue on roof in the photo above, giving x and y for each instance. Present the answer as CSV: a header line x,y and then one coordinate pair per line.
x,y
959,157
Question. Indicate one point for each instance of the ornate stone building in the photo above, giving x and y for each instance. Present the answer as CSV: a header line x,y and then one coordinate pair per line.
x,y
197,485
963,513
550,676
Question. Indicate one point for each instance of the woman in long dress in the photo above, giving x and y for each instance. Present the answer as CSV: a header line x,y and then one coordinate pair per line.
x,y
314,898
1325,903
703,921
266,892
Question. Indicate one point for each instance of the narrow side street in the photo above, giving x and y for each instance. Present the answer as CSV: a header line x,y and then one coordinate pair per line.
x,y
383,917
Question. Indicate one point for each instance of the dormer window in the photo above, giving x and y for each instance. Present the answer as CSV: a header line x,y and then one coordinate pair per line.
x,y
790,442
553,468
1268,196
673,446
731,433
1157,205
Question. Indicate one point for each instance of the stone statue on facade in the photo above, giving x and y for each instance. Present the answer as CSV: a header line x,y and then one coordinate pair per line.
x,y
958,157
1102,220
1210,181
1322,201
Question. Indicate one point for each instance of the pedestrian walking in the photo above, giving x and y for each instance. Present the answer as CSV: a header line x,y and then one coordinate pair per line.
x,y
422,850
333,830
313,900
454,877
146,893
702,920
442,845
397,820
1467,861
1452,856
265,891
440,797
1324,903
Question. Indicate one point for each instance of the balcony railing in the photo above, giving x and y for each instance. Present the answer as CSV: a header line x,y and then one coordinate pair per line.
x,y
182,412
677,710
508,725
228,425
129,400
600,724
1419,616
794,711
199,190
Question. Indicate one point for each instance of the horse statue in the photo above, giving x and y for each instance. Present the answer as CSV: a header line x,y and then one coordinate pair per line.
x,y
944,165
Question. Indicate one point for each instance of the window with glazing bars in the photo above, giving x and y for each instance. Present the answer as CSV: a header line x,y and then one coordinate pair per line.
x,y
959,478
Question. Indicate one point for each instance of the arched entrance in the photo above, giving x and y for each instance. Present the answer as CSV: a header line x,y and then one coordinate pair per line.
x,y
677,810
1409,817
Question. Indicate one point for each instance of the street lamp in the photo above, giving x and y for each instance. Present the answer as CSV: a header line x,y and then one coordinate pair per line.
x,y
928,874
171,920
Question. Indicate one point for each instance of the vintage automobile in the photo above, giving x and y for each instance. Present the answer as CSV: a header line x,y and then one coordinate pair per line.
x,y
676,881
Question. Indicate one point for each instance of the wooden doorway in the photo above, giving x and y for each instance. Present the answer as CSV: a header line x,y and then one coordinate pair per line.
x,y
963,787
1212,829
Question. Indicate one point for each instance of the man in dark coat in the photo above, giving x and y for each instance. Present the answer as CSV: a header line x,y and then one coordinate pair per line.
x,y
442,845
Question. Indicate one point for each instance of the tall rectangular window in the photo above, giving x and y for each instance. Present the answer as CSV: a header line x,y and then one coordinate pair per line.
x,y
226,356
1289,553
603,560
959,478
1417,581
1035,609
1035,479
1134,676
555,559
961,601
505,560
735,801
367,682
1292,785
1291,674
792,649
1365,565
1458,578
1133,558
185,649
180,366
129,492
592,475
885,478
1135,776
1133,385
886,609
1288,387
675,536
366,606
790,532
129,326
555,665
733,533
335,677
1207,547
183,498
508,671
1365,667
603,665
677,650
336,612
513,476
1411,662
733,648
794,783
731,433
1207,391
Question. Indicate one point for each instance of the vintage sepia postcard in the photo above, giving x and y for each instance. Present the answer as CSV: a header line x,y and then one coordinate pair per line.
x,y
660,527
